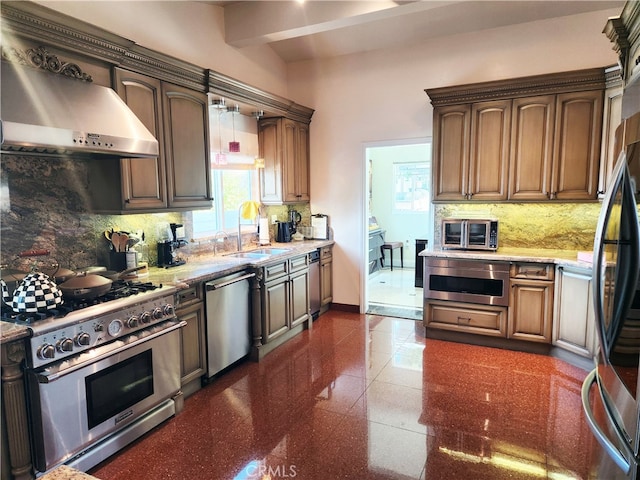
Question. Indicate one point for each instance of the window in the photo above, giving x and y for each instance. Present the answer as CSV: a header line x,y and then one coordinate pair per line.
x,y
236,180
411,187
231,187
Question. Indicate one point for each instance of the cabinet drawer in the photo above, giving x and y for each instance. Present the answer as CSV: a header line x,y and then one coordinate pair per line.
x,y
298,263
188,296
539,271
485,320
326,252
275,271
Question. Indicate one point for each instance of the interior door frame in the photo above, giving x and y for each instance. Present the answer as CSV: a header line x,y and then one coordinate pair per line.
x,y
364,222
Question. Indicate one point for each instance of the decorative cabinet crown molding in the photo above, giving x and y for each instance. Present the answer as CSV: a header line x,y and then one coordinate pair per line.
x,y
32,22
573,81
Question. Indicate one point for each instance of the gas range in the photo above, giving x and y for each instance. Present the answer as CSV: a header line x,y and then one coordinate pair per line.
x,y
78,326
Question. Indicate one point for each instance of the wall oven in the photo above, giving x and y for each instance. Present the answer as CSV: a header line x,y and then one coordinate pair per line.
x,y
470,234
470,281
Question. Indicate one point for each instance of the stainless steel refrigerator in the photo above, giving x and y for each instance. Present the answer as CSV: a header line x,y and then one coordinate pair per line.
x,y
610,391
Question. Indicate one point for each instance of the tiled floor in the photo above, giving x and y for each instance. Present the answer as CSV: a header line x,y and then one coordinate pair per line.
x,y
368,397
394,293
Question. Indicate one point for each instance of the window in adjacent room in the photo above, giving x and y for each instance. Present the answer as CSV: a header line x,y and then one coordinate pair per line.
x,y
411,187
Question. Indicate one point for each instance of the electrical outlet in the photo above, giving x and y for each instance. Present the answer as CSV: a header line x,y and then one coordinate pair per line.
x,y
274,218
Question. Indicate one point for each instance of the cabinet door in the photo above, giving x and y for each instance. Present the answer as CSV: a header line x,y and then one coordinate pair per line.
x,y
531,147
295,162
186,122
611,119
574,328
269,143
143,179
451,150
326,282
531,310
578,131
275,314
192,337
490,132
299,294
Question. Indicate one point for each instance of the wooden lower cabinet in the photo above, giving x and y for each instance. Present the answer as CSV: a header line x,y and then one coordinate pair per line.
x,y
190,308
574,328
531,310
465,317
531,302
326,278
285,297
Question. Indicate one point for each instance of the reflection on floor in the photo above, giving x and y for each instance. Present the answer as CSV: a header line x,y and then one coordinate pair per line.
x,y
393,293
369,397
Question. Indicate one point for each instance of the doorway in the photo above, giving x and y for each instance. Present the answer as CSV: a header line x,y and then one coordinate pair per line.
x,y
398,209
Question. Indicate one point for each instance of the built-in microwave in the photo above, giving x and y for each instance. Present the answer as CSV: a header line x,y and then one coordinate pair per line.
x,y
470,234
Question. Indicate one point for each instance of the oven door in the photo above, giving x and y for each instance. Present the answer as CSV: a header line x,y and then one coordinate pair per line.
x,y
77,403
479,282
454,233
478,234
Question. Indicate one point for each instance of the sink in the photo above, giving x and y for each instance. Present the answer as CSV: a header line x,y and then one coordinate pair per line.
x,y
258,253
252,255
270,251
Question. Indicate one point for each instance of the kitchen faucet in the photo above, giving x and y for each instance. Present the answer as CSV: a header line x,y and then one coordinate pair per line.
x,y
247,210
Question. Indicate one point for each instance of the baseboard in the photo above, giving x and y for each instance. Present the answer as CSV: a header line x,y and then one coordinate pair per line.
x,y
345,307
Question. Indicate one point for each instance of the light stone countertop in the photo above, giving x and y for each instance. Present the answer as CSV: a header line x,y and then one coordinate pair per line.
x,y
65,472
567,258
202,269
208,267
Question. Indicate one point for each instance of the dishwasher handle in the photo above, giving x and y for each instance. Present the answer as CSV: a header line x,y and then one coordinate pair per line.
x,y
215,286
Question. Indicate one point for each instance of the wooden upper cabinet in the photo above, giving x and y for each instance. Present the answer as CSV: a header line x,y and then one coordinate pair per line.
x,y
143,179
180,177
186,120
284,146
451,150
531,147
489,161
269,143
578,135
296,161
529,139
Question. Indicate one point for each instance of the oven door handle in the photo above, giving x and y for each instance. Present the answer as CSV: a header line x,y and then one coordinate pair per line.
x,y
44,377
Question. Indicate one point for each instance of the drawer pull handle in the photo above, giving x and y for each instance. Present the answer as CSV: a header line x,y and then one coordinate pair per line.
x,y
464,319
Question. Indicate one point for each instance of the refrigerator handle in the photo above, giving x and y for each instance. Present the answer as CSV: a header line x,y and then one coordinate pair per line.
x,y
607,445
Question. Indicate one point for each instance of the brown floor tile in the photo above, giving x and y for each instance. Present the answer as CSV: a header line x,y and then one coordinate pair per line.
x,y
369,397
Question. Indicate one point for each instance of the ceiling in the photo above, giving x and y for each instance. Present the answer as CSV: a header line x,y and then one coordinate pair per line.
x,y
320,29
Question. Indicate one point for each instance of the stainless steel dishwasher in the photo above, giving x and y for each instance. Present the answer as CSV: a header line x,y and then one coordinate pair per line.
x,y
228,308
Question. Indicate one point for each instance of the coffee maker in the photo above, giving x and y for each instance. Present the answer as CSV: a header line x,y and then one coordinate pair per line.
x,y
168,249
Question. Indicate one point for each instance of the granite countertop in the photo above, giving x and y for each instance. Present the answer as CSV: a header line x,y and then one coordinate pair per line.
x,y
202,269
208,267
10,332
568,258
65,472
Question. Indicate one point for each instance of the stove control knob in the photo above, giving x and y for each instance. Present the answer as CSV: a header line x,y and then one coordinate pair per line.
x,y
132,322
64,345
46,351
145,317
168,309
157,313
83,339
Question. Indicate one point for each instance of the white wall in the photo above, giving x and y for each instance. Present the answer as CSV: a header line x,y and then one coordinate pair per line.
x,y
379,96
190,31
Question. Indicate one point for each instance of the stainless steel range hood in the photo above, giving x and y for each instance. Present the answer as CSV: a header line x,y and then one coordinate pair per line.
x,y
43,113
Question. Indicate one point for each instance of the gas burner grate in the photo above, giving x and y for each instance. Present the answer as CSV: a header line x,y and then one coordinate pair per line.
x,y
119,289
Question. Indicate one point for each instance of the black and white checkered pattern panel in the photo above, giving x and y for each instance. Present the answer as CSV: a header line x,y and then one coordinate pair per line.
x,y
36,293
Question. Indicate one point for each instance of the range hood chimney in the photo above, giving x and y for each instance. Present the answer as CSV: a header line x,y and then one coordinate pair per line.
x,y
48,114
